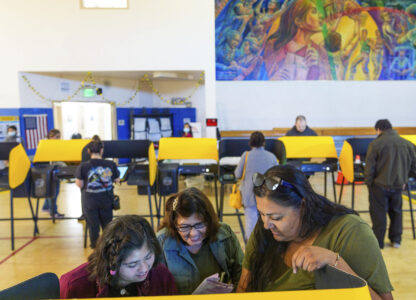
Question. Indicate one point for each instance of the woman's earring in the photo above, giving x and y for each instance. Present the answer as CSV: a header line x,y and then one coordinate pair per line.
x,y
113,272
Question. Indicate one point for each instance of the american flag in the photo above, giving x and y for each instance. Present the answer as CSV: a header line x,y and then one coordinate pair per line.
x,y
36,128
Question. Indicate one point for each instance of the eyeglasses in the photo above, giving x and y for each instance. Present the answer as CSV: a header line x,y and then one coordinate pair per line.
x,y
272,183
188,228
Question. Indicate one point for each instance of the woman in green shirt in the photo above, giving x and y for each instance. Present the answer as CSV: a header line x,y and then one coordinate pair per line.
x,y
300,231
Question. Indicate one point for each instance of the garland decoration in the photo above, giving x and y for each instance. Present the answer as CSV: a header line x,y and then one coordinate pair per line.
x,y
90,79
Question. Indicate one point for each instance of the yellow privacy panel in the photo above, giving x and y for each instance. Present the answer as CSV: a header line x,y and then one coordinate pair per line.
x,y
152,164
59,150
346,161
188,148
19,165
309,146
411,138
338,294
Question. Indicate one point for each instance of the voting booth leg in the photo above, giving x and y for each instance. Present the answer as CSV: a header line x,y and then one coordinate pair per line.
x,y
216,192
221,208
333,186
325,183
85,234
353,194
411,211
149,195
340,191
243,232
11,219
34,216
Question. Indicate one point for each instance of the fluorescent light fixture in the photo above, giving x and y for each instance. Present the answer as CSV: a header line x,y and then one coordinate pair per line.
x,y
104,3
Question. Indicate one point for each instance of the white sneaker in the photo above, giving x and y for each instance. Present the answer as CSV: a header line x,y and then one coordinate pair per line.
x,y
395,245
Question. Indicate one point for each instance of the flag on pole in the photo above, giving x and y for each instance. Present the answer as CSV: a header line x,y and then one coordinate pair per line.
x,y
36,128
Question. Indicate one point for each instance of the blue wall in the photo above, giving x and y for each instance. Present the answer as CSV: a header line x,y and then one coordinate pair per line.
x,y
178,114
19,112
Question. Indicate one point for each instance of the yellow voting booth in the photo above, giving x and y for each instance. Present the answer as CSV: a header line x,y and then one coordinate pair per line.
x,y
59,150
308,147
192,156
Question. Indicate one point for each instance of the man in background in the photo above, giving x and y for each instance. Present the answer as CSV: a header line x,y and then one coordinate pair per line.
x,y
389,162
301,128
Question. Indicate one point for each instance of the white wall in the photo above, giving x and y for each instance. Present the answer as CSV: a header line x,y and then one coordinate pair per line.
x,y
50,35
264,105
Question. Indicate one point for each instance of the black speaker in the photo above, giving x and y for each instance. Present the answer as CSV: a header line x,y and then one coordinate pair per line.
x,y
167,179
43,181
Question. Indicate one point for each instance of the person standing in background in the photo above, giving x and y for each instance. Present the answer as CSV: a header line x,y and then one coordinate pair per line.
x,y
389,162
301,128
256,160
53,134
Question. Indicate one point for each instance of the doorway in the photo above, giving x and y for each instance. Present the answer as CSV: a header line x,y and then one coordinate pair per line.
x,y
86,118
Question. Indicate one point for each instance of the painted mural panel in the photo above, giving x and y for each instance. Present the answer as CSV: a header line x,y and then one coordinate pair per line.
x,y
315,39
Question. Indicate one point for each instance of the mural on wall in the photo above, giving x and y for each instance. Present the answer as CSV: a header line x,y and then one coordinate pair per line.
x,y
315,39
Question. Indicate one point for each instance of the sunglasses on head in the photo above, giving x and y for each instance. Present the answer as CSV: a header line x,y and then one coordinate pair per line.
x,y
272,183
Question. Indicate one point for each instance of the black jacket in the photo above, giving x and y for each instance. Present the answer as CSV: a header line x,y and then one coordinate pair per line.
x,y
390,160
306,132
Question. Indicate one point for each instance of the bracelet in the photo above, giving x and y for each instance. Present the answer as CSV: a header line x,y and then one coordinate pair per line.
x,y
337,260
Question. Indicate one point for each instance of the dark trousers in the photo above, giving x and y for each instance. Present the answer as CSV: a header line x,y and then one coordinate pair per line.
x,y
98,211
382,201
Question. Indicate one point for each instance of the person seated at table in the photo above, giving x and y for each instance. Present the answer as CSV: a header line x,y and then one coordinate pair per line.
x,y
126,262
300,231
187,130
301,128
195,244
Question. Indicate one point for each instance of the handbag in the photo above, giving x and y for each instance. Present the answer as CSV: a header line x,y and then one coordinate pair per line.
x,y
116,202
236,199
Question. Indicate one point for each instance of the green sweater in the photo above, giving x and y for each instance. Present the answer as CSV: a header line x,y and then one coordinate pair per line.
x,y
347,235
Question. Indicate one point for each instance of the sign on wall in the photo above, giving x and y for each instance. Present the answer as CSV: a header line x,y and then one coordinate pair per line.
x,y
315,39
5,122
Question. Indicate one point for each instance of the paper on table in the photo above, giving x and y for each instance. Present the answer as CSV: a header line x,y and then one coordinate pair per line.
x,y
212,285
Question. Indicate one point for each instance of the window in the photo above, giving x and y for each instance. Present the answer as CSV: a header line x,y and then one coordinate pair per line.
x,y
104,3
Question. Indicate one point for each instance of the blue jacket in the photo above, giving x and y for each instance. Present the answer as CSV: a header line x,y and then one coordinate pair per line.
x,y
226,250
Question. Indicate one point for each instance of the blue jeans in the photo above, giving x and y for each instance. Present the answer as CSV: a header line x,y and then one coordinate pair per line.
x,y
251,215
48,204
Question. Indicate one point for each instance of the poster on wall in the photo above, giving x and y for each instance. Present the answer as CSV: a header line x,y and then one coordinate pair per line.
x,y
5,122
315,39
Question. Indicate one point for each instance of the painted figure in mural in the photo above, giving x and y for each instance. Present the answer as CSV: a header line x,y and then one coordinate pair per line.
x,y
226,53
410,36
378,53
364,57
268,16
339,57
400,68
249,61
291,53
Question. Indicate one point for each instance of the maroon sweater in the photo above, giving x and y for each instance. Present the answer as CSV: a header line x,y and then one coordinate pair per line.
x,y
75,284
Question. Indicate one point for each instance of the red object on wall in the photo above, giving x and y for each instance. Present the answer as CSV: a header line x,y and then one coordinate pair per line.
x,y
212,122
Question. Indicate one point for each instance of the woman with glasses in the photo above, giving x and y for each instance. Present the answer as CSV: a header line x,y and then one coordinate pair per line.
x,y
126,262
300,231
195,244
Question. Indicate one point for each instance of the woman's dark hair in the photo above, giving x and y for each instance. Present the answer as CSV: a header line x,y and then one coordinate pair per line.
x,y
288,27
53,132
95,138
12,127
95,147
317,211
120,237
190,201
256,139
